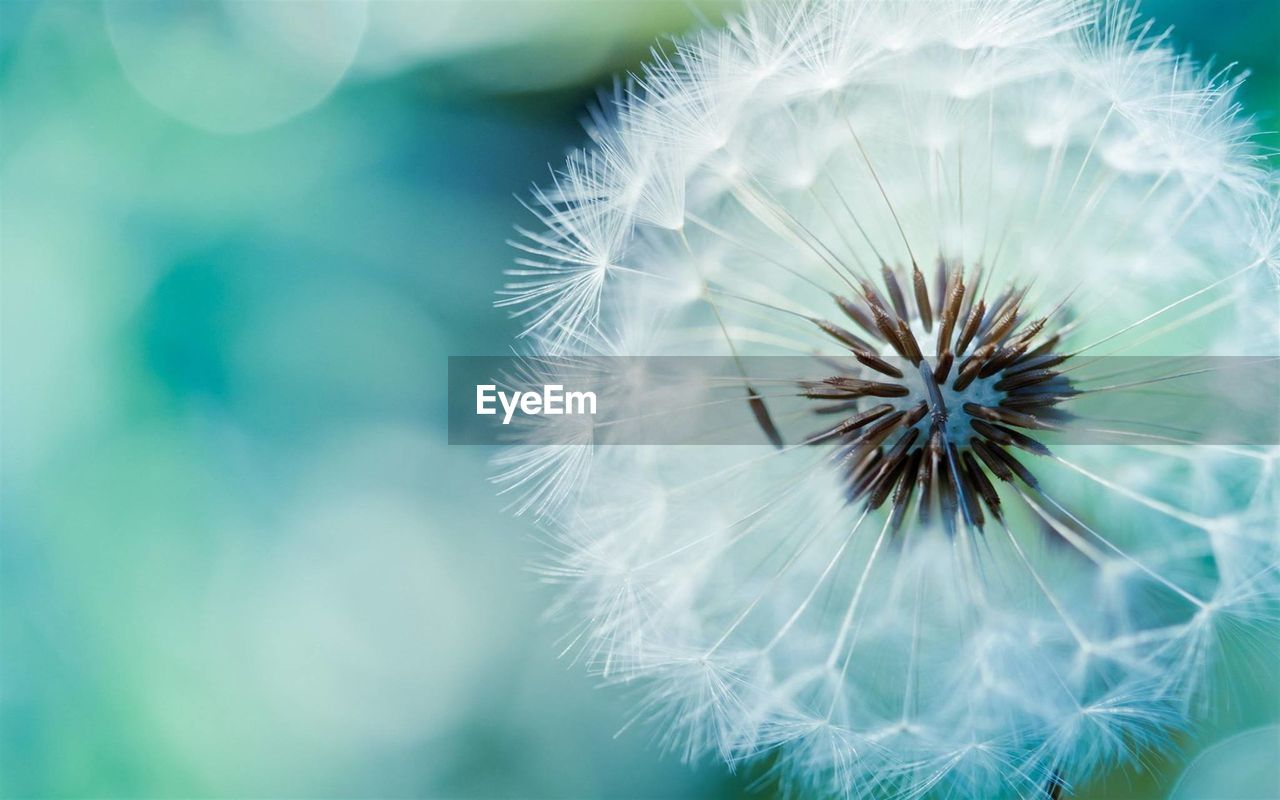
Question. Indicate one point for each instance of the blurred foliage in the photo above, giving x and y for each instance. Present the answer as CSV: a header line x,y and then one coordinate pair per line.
x,y
238,241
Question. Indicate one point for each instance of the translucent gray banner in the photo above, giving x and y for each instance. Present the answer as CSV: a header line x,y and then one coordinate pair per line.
x,y
793,400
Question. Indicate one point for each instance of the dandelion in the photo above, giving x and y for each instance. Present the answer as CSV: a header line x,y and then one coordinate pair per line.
x,y
924,577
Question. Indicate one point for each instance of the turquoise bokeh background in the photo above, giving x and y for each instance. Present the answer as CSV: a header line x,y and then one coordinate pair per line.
x,y
238,240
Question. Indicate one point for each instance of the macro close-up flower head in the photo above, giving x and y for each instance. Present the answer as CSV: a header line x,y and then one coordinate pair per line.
x,y
966,553
640,399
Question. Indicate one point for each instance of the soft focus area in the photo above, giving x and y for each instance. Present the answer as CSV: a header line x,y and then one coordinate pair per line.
x,y
237,558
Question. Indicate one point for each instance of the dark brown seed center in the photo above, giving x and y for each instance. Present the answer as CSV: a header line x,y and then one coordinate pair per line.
x,y
950,384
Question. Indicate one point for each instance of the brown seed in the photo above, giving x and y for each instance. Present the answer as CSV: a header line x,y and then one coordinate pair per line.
x,y
950,310
994,463
868,461
971,324
877,363
1046,348
851,424
856,313
902,495
925,479
883,484
880,431
895,291
978,478
888,329
909,341
1033,402
859,387
947,499
1034,360
916,414
844,337
942,369
970,367
967,491
1007,416
971,294
1001,359
858,459
922,298
887,473
1003,435
1032,331
1020,380
1002,325
993,455
761,413
1009,300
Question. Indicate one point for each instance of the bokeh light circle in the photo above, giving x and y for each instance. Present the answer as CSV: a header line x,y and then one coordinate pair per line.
x,y
1243,767
235,67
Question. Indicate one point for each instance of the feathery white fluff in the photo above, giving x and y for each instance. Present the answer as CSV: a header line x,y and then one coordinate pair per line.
x,y
733,187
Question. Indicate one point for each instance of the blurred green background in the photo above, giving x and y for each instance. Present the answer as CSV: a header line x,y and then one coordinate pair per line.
x,y
238,241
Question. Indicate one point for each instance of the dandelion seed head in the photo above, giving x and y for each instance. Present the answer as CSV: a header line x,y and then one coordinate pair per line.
x,y
980,203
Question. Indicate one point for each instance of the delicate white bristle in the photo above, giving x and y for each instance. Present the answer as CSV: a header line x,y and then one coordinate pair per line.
x,y
1032,617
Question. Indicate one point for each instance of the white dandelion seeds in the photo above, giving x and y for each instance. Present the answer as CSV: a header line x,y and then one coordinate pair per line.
x,y
980,201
